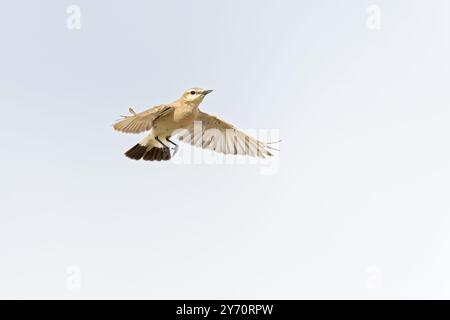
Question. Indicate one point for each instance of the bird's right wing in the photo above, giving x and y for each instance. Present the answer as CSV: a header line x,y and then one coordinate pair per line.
x,y
143,121
210,132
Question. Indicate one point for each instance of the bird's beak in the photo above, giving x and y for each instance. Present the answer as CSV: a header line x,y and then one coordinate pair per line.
x,y
205,92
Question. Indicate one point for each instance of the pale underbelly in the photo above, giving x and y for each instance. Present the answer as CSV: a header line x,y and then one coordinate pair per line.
x,y
178,120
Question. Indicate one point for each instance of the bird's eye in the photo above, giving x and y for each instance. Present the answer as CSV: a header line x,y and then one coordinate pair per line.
x,y
192,92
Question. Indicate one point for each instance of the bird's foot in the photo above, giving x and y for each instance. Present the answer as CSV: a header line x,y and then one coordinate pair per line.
x,y
175,150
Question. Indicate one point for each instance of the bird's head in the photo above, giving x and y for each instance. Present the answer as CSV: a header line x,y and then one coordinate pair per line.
x,y
195,95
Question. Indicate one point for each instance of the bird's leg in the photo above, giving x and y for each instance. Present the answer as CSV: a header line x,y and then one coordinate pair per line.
x,y
175,149
166,147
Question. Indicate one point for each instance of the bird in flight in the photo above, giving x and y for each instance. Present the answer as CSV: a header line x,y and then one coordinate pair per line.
x,y
184,120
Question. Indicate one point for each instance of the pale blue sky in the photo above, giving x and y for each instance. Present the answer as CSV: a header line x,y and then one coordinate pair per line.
x,y
363,178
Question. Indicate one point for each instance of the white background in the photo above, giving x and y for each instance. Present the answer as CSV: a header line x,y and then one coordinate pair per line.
x,y
357,209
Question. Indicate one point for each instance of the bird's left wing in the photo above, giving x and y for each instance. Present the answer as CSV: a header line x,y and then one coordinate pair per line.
x,y
209,132
143,121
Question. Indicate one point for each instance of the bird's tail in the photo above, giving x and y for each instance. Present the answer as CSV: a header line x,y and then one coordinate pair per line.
x,y
149,149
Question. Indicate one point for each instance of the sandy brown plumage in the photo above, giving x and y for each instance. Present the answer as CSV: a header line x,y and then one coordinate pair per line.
x,y
182,118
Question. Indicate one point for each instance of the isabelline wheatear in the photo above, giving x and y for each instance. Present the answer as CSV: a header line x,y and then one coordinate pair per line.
x,y
184,120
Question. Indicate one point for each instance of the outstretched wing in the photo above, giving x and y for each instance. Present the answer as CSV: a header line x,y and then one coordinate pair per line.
x,y
209,132
143,121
